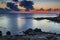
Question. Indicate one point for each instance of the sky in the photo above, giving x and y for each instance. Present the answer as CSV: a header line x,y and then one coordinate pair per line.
x,y
39,3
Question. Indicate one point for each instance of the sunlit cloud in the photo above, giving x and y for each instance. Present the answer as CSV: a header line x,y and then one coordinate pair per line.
x,y
41,4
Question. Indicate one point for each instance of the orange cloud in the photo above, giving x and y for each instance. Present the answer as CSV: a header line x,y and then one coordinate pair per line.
x,y
36,6
3,6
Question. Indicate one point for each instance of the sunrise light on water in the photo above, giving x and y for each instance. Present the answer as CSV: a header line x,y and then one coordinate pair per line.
x,y
29,19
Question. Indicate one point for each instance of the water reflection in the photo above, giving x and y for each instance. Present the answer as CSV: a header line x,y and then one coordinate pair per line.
x,y
47,25
15,23
4,24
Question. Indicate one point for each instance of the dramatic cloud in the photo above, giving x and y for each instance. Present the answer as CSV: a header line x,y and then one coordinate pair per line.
x,y
15,0
12,6
27,4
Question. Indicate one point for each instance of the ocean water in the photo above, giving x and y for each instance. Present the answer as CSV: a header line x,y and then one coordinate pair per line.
x,y
16,23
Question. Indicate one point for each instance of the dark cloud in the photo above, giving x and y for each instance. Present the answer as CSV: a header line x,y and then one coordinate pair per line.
x,y
15,0
12,6
47,0
27,4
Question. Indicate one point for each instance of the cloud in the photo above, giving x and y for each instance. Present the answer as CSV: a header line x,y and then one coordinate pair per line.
x,y
27,4
12,6
15,0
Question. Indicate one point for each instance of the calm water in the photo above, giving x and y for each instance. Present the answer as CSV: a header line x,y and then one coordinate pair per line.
x,y
18,22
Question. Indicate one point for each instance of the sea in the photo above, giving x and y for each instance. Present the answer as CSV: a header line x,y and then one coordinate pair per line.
x,y
17,23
